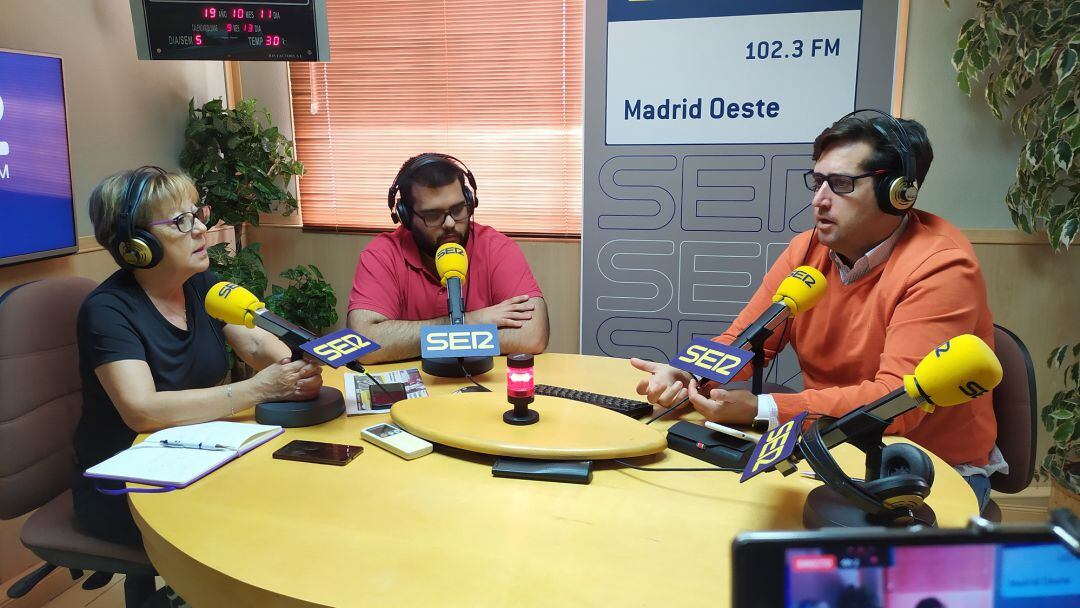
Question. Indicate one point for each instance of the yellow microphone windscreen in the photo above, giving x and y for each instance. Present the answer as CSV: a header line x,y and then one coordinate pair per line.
x,y
955,372
801,289
232,304
451,261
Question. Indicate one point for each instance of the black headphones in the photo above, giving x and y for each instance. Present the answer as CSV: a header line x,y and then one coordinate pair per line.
x,y
137,248
399,210
895,193
904,475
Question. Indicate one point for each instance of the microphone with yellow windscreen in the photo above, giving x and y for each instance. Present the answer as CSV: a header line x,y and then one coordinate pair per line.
x,y
451,261
233,304
796,294
899,476
955,372
452,264
801,289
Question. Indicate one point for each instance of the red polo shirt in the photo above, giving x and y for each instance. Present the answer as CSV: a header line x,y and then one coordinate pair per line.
x,y
392,281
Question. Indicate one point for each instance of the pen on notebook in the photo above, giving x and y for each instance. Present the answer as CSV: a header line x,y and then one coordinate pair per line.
x,y
169,443
727,430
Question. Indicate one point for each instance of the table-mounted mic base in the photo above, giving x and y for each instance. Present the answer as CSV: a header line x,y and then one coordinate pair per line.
x,y
826,508
290,414
451,367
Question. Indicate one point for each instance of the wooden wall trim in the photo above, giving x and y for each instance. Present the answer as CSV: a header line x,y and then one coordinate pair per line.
x,y
234,90
1004,236
977,236
900,57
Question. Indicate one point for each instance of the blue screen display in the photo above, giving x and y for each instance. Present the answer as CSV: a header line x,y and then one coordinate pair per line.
x,y
36,206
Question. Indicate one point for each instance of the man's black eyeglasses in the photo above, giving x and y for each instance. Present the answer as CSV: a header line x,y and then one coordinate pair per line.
x,y
434,219
838,183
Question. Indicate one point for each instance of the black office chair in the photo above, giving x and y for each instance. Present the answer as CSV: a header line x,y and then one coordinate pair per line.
x,y
1015,405
40,404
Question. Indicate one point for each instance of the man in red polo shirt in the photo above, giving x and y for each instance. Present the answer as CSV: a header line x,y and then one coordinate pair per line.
x,y
396,289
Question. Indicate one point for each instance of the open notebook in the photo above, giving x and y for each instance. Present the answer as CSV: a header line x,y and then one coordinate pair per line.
x,y
181,455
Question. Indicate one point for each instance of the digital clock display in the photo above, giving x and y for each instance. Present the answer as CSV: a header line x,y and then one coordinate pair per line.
x,y
274,30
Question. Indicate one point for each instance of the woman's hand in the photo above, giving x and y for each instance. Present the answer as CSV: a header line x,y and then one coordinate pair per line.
x,y
288,380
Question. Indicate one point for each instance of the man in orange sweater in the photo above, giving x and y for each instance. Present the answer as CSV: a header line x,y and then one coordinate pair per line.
x,y
900,282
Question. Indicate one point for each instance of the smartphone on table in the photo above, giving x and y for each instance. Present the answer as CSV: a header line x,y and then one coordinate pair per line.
x,y
319,452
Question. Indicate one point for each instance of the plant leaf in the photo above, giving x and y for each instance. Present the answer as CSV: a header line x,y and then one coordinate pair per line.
x,y
1066,64
1057,356
1068,231
1065,431
963,84
1062,414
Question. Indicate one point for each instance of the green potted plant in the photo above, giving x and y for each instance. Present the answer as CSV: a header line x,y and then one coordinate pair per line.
x,y
242,166
1026,52
1062,418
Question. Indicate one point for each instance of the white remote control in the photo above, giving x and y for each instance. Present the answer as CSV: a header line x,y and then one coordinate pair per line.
x,y
393,439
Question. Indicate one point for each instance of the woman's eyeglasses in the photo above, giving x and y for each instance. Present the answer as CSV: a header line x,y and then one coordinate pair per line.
x,y
185,222
838,183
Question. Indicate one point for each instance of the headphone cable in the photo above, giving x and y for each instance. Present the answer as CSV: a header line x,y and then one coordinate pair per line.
x,y
461,361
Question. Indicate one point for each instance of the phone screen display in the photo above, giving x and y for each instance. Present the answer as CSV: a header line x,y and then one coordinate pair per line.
x,y
318,451
383,399
1017,575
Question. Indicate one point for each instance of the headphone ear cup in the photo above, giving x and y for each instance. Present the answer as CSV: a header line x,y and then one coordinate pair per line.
x,y
906,459
470,200
142,251
904,478
401,213
891,192
899,491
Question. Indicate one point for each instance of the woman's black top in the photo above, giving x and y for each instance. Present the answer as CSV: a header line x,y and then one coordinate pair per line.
x,y
118,322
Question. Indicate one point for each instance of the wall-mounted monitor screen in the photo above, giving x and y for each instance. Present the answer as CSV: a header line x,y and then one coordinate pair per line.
x,y
37,212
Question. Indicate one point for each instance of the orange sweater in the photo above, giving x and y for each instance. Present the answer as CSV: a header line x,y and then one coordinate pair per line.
x,y
857,343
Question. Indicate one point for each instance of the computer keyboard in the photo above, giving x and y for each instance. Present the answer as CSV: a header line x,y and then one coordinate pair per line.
x,y
634,409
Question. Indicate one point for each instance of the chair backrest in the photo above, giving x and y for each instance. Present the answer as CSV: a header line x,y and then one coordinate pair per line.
x,y
40,391
1015,405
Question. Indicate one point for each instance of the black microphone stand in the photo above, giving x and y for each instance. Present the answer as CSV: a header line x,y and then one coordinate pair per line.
x,y
456,367
329,404
755,339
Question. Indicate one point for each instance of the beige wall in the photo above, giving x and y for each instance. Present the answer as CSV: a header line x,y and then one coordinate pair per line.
x,y
975,154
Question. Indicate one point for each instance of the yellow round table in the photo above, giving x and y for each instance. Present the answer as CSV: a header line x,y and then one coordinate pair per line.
x,y
441,531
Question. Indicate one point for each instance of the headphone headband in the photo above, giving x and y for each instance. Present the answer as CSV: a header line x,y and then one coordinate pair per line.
x,y
137,247
895,195
399,211
819,458
899,476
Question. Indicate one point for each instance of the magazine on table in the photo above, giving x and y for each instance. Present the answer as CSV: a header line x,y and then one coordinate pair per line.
x,y
358,389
